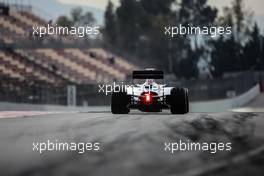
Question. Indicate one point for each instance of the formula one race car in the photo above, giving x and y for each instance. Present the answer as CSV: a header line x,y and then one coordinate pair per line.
x,y
150,96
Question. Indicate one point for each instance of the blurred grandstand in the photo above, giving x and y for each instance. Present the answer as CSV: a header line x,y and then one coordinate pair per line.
x,y
38,70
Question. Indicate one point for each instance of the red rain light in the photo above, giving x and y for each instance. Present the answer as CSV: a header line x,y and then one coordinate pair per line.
x,y
148,98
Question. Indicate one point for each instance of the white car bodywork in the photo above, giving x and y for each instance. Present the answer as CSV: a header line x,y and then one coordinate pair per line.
x,y
138,89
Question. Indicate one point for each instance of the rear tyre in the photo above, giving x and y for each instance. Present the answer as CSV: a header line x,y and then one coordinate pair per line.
x,y
179,101
119,103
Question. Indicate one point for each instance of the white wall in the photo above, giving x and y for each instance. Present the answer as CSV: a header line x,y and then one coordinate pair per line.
x,y
225,104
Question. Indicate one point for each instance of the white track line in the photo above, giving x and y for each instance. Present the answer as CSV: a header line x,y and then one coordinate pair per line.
x,y
248,109
15,114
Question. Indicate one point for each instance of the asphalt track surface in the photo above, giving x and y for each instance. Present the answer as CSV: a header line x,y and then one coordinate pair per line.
x,y
133,145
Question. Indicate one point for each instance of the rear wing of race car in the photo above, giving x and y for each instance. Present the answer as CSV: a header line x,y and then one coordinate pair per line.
x,y
148,74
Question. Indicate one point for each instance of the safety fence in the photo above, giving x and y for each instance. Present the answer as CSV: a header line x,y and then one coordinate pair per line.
x,y
85,95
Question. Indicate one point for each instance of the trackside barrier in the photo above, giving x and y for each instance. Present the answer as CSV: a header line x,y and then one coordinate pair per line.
x,y
225,104
202,106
